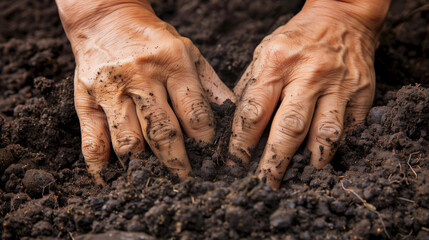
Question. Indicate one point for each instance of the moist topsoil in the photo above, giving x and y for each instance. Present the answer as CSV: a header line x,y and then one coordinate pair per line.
x,y
377,186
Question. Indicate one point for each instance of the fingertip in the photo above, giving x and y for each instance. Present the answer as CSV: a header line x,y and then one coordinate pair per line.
x,y
96,153
326,130
239,151
177,165
320,160
95,172
125,130
268,178
323,148
184,175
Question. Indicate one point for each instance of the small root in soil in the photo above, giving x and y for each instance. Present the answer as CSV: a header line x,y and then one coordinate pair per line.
x,y
409,165
369,206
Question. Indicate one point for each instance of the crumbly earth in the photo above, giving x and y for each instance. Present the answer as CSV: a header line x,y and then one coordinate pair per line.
x,y
377,187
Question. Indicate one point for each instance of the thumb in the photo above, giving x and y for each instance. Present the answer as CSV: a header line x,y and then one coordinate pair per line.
x,y
216,91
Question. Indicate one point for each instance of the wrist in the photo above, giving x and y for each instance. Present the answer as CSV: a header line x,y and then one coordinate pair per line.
x,y
367,16
84,18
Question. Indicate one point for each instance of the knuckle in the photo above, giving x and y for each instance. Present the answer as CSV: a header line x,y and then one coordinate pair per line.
x,y
275,51
188,42
329,132
167,27
195,52
177,47
160,130
292,125
366,86
251,112
144,102
109,82
128,141
94,149
325,61
364,81
276,54
263,46
277,46
174,56
199,115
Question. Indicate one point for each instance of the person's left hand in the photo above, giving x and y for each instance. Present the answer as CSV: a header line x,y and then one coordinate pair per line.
x,y
137,80
319,68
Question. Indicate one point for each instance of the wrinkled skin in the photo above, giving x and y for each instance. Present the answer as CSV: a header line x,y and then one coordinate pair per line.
x,y
128,64
318,69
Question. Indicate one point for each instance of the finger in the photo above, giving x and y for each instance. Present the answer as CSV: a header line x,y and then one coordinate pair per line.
x,y
358,107
94,130
215,90
326,129
288,130
251,71
161,128
124,126
245,78
191,106
251,117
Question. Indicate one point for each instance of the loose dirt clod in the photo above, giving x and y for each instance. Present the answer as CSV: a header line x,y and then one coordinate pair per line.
x,y
36,182
6,159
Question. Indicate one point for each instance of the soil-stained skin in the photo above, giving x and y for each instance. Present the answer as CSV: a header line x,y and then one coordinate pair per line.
x,y
376,187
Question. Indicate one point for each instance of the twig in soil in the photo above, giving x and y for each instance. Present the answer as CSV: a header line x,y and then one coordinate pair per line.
x,y
408,162
425,229
47,185
71,236
219,143
367,205
405,199
393,181
404,175
364,202
406,236
147,183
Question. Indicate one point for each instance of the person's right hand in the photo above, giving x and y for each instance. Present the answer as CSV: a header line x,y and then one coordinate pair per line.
x,y
128,64
318,68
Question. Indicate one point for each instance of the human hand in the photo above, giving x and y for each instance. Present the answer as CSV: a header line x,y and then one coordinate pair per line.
x,y
319,68
129,63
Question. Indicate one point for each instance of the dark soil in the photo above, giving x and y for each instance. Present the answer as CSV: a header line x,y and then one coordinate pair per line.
x,y
376,188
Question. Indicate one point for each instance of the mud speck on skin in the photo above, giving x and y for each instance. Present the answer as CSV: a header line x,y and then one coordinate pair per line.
x,y
384,161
